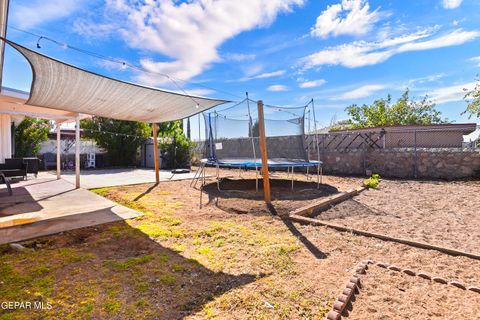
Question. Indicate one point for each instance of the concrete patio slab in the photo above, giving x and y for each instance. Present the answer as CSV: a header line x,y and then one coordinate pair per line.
x,y
90,179
45,206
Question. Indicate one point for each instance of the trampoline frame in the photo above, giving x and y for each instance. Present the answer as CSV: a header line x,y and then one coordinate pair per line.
x,y
245,163
289,164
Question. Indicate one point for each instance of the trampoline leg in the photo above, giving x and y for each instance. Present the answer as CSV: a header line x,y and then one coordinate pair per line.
x,y
204,174
308,177
256,179
318,176
292,179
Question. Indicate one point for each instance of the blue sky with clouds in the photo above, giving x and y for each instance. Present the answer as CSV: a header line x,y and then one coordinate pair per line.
x,y
284,52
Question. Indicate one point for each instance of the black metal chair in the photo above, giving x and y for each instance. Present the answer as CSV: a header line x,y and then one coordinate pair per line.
x,y
6,181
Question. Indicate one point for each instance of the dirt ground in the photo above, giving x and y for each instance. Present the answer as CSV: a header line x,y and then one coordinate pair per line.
x,y
231,259
388,294
437,212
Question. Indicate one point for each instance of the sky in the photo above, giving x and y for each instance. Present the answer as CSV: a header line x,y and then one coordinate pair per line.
x,y
284,52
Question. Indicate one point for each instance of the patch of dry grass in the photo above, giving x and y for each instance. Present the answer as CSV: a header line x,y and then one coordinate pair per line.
x,y
167,262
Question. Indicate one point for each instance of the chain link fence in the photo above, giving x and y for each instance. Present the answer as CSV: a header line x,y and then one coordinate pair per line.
x,y
401,152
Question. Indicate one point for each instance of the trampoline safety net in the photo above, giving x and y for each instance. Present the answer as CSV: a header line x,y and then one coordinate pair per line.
x,y
232,133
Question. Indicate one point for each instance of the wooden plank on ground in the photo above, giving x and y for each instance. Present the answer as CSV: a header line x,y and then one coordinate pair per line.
x,y
418,244
17,222
325,203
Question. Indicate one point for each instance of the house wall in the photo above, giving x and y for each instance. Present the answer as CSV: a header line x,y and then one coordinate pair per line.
x,y
5,137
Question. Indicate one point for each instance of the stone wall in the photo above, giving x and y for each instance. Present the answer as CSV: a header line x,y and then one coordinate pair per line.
x,y
433,163
402,163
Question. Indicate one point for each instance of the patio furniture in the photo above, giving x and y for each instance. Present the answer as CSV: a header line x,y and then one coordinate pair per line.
x,y
33,165
49,160
6,180
14,168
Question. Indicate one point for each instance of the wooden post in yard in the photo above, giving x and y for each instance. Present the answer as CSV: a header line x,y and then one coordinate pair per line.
x,y
155,152
263,151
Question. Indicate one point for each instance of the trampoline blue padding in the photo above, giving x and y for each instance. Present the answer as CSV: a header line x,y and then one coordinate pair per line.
x,y
252,163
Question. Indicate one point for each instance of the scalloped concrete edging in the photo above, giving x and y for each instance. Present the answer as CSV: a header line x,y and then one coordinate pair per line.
x,y
428,277
352,288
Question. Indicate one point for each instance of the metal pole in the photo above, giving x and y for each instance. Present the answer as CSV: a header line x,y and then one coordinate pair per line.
x,y
250,125
292,178
315,128
155,152
415,153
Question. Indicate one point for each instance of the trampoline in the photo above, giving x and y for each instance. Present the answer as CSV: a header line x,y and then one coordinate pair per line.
x,y
256,163
232,141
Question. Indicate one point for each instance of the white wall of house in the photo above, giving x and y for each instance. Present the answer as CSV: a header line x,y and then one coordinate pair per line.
x,y
67,147
5,137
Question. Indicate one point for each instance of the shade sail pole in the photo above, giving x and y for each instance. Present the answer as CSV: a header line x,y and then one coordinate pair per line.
x,y
58,151
77,152
155,152
263,150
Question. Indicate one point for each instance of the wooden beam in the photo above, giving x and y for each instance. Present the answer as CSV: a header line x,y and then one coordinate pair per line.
x,y
417,244
77,152
155,152
263,150
17,222
325,203
59,149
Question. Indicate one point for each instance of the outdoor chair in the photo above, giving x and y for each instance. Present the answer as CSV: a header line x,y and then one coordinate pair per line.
x,y
33,165
14,168
49,160
6,181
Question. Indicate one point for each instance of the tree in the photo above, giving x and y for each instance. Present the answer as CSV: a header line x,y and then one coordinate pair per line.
x,y
29,134
383,112
175,145
473,99
121,139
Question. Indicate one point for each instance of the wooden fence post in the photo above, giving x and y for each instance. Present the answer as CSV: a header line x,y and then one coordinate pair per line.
x,y
263,150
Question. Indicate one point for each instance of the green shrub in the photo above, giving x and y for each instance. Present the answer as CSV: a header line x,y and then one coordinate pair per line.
x,y
29,134
373,181
175,145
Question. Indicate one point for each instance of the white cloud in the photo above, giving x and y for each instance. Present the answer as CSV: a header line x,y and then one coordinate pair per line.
x,y
361,92
451,4
312,83
34,13
351,17
363,53
85,28
239,57
264,75
430,78
475,60
277,88
451,93
199,92
189,33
